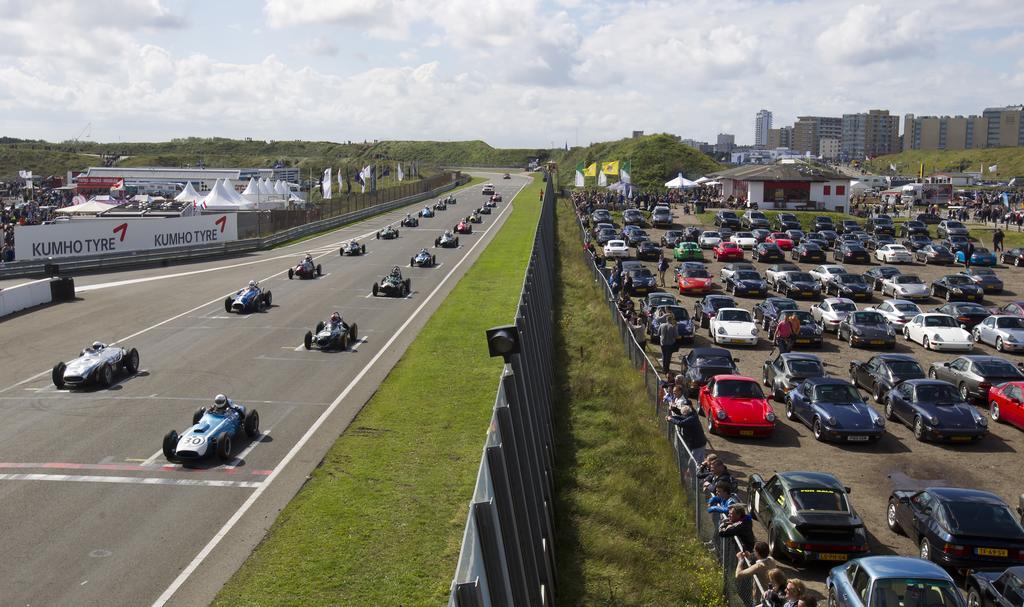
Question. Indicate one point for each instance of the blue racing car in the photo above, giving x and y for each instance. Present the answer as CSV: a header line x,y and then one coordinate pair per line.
x,y
426,212
212,431
250,299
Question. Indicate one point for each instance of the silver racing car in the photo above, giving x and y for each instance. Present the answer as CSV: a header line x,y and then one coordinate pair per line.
x,y
96,365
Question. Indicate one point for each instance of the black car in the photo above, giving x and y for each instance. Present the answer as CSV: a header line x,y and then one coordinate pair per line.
x,y
823,222
632,217
767,312
913,227
735,266
936,254
635,237
848,225
708,306
830,236
851,286
916,242
795,235
760,234
880,373
958,528
808,252
834,410
655,300
671,238
661,216
746,282
643,281
930,219
879,240
701,364
1014,256
767,252
881,225
850,252
986,278
597,227
934,410
956,243
797,284
648,250
727,219
601,216
968,314
974,374
867,328
605,235
995,588
810,330
754,219
786,371
875,276
956,287
787,221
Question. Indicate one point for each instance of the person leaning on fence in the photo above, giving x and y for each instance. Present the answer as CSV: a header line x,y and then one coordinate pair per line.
x,y
775,591
762,566
795,590
692,431
723,499
738,524
718,472
807,601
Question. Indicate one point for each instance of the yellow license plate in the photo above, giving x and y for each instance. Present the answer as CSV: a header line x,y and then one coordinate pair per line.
x,y
961,438
807,292
991,551
746,433
832,556
803,341
877,342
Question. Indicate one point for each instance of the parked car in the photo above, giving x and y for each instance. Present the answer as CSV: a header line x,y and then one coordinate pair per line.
x,y
949,227
930,219
916,242
745,240
825,272
934,410
831,312
787,370
684,325
851,286
935,254
1006,404
891,581
851,252
787,221
632,217
730,268
876,276
897,311
766,313
794,284
909,228
754,219
767,252
1014,256
893,253
661,217
727,219
1004,333
884,371
808,252
727,251
708,306
708,239
865,328
687,251
648,250
671,238
995,588
967,313
974,375
781,240
735,406
956,287
986,278
980,257
775,270
700,365
905,286
937,331
613,248
693,280
732,326
834,410
823,222
746,282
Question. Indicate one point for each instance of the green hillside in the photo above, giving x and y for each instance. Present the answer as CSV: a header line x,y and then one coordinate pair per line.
x,y
1009,160
458,152
655,159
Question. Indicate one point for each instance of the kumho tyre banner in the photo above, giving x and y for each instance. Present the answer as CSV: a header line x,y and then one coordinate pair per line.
x,y
89,237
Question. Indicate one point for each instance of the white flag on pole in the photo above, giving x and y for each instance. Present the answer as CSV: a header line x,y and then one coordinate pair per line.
x,y
602,179
624,176
579,179
401,175
325,186
25,174
892,167
992,168
341,182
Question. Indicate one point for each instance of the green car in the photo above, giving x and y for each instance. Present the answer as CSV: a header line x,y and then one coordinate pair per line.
x,y
808,517
688,251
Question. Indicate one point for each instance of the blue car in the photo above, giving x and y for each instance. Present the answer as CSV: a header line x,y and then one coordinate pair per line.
x,y
834,410
249,299
684,325
426,212
211,434
935,410
888,581
980,257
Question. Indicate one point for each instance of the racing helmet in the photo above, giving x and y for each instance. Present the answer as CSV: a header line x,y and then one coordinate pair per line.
x,y
220,401
252,284
308,257
335,317
98,345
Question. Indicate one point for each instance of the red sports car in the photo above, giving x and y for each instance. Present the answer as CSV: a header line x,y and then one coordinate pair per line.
x,y
736,406
780,240
693,280
1006,403
727,251
464,227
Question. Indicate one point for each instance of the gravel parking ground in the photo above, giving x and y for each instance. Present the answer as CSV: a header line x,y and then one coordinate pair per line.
x,y
897,461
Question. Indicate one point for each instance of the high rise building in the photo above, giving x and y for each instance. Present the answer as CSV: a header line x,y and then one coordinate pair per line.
x,y
1005,126
872,134
809,130
725,143
762,124
945,132
781,137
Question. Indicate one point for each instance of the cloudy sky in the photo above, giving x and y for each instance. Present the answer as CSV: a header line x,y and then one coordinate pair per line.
x,y
519,73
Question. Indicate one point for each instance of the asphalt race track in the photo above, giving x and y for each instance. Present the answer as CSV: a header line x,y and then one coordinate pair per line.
x,y
92,513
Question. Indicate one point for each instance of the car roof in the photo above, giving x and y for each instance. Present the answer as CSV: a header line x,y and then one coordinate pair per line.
x,y
710,352
888,357
901,566
834,300
796,479
817,381
719,378
717,296
957,494
787,356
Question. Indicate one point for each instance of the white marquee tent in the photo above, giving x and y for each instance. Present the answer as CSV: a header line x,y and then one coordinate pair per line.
x,y
680,182
221,199
189,194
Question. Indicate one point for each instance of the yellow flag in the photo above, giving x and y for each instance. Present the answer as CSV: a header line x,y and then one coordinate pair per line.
x,y
610,168
591,171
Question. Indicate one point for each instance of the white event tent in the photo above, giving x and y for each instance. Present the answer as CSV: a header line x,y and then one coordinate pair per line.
x,y
189,194
680,182
225,198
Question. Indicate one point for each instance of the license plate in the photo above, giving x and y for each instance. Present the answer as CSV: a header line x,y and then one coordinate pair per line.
x,y
833,556
960,439
746,433
991,551
803,341
807,292
858,439
877,342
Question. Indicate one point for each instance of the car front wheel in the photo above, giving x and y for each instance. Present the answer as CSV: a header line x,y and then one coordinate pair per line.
x,y
890,518
993,411
926,550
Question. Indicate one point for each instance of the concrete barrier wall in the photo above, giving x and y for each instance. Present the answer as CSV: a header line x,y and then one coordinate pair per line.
x,y
24,296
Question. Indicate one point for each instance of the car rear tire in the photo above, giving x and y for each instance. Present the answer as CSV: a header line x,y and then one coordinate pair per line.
x,y
994,413
251,425
307,340
224,448
919,428
319,270
412,262
774,548
170,445
408,286
106,376
353,332
816,429
131,362
57,375
198,415
891,520
291,272
227,304
925,550
375,289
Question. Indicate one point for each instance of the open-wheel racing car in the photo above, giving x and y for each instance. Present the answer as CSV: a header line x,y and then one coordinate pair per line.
x,y
441,205
212,432
352,248
410,221
491,202
305,269
96,366
335,333
426,212
449,199
387,233
447,240
484,210
393,285
475,218
250,299
464,227
423,259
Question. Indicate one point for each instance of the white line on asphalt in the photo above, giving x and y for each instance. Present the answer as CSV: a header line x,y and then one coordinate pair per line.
x,y
240,458
130,480
231,522
149,461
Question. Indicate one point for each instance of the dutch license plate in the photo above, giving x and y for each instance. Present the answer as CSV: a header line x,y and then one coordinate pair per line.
x,y
746,433
961,439
803,341
991,551
877,342
857,438
832,556
807,292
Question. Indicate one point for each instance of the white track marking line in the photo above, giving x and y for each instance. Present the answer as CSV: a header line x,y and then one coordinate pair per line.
x,y
149,461
233,520
130,480
240,458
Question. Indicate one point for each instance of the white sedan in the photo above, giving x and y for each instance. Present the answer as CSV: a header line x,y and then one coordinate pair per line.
x,y
746,240
937,331
708,240
616,248
905,286
897,311
733,326
893,253
1005,333
831,312
824,272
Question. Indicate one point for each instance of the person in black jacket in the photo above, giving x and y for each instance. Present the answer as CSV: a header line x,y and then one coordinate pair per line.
x,y
692,430
738,524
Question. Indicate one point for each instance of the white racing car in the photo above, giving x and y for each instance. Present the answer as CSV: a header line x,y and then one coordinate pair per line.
x,y
937,331
733,326
96,365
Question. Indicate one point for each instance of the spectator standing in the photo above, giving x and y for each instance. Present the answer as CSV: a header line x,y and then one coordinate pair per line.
x,y
775,591
997,240
723,499
739,525
762,566
662,268
667,335
717,472
689,425
968,252
783,334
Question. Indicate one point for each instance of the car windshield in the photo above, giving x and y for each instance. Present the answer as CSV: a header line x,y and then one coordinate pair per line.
x,y
907,279
905,369
738,389
907,307
712,360
983,519
805,317
712,235
984,272
784,304
939,321
915,593
981,251
642,273
954,224
850,279
835,270
719,303
807,498
958,280
843,306
806,367
940,394
974,309
837,393
734,315
1010,322
800,277
996,367
868,318
747,275
940,250
743,235
957,238
696,274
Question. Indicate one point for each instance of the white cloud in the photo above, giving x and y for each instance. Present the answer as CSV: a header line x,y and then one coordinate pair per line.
x,y
872,33
320,46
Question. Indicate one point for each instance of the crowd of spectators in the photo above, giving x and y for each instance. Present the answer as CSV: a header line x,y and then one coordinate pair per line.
x,y
20,206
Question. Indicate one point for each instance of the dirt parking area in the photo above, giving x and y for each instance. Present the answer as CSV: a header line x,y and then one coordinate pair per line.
x,y
897,461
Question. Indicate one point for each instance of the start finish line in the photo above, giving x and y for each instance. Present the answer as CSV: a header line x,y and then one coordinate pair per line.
x,y
79,238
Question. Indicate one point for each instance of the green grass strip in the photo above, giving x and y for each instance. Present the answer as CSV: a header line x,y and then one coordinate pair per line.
x,y
623,530
381,520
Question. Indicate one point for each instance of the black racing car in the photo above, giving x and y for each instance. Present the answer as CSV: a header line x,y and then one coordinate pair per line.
x,y
766,252
957,287
787,371
767,312
934,410
974,374
701,364
797,284
708,306
880,373
484,210
410,221
387,233
867,328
